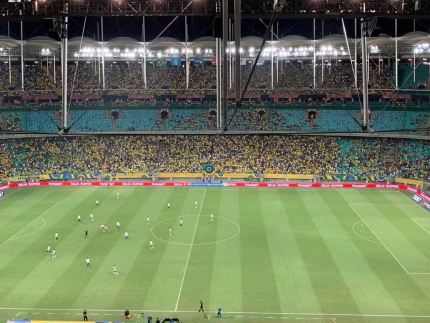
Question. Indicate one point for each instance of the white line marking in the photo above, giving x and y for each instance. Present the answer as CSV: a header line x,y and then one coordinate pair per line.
x,y
17,314
362,236
189,253
352,207
383,204
327,315
195,244
421,225
11,194
13,237
27,235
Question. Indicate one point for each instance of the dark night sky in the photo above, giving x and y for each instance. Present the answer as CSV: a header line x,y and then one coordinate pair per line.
x,y
201,26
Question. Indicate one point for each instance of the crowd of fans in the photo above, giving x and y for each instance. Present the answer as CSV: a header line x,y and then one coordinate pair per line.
x,y
124,78
228,154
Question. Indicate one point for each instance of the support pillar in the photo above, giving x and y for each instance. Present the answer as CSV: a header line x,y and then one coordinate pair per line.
x,y
365,83
396,55
64,48
224,66
237,35
22,56
103,54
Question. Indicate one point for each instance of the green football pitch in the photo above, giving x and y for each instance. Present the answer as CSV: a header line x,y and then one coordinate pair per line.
x,y
270,254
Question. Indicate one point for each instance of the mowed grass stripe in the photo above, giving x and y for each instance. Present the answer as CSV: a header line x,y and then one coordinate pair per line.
x,y
32,268
405,239
74,275
122,254
226,285
258,276
332,216
202,263
295,291
330,288
21,208
168,261
401,286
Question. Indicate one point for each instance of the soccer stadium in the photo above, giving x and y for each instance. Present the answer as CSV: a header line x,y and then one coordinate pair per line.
x,y
192,160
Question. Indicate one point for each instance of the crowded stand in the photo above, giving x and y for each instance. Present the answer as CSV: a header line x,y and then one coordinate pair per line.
x,y
229,154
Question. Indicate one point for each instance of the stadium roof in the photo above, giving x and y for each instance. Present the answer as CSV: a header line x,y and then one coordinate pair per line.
x,y
295,45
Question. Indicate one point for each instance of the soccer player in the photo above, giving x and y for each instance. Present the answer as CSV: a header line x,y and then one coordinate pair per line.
x,y
181,223
195,204
118,226
361,228
147,221
79,218
168,206
117,195
54,254
48,250
201,307
218,315
86,234
92,217
56,236
115,272
102,228
126,235
170,232
97,203
88,262
151,245
212,217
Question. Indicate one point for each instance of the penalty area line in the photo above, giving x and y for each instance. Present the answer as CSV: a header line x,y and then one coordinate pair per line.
x,y
39,217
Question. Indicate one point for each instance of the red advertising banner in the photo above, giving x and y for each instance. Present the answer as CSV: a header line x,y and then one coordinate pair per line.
x,y
140,96
185,184
284,96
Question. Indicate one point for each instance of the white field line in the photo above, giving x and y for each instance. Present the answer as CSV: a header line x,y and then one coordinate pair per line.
x,y
360,235
243,313
189,253
421,225
412,203
13,237
10,194
383,204
352,207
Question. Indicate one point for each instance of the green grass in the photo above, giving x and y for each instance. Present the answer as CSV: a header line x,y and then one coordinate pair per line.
x,y
270,254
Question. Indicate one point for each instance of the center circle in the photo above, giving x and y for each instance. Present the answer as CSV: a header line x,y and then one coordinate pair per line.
x,y
224,229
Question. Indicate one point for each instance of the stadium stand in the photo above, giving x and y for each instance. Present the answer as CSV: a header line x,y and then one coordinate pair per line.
x,y
228,154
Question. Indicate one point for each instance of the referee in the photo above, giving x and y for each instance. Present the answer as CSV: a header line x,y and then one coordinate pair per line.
x,y
84,314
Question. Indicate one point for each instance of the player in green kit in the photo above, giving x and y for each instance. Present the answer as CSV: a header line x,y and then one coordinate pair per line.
x,y
361,228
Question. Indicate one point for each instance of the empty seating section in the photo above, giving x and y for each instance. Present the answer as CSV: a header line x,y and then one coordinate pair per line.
x,y
264,118
141,119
